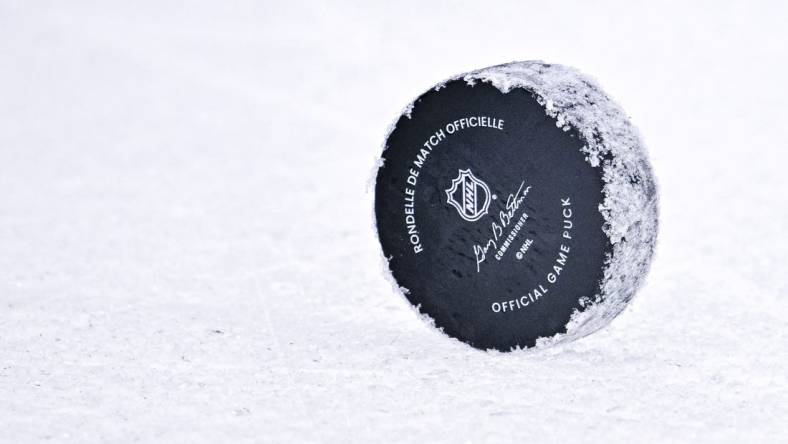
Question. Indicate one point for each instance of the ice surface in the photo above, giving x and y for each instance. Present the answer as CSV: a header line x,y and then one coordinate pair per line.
x,y
185,249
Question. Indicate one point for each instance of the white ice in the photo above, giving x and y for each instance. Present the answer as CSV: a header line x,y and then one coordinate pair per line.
x,y
185,243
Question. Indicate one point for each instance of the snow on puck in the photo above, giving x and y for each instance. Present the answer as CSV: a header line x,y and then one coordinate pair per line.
x,y
515,206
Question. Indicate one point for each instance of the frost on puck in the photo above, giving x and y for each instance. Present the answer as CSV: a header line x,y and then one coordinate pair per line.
x,y
516,206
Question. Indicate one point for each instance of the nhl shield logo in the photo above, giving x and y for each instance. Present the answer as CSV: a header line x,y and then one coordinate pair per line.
x,y
469,196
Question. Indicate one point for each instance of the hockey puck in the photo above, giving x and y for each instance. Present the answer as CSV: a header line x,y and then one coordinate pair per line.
x,y
515,206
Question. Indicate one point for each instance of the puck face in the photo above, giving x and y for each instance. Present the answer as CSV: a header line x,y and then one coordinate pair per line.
x,y
489,215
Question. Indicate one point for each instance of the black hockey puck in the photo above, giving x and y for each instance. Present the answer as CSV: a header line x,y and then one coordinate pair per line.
x,y
498,206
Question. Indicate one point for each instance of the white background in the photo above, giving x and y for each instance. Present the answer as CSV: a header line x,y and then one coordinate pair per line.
x,y
186,251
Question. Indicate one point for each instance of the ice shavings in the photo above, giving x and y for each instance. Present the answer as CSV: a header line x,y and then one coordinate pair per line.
x,y
630,202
